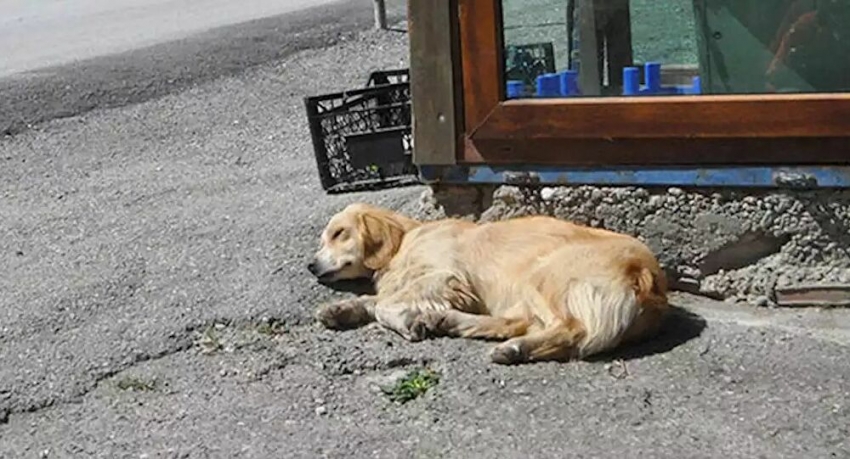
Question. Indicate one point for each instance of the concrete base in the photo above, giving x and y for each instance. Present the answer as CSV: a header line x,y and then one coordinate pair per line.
x,y
736,245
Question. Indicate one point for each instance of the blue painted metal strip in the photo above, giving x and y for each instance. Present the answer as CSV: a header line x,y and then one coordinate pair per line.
x,y
758,176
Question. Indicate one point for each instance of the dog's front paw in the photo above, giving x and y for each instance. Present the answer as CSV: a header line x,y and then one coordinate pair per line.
x,y
508,353
344,315
329,314
426,325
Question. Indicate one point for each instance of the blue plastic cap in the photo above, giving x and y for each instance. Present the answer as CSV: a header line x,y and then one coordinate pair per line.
x,y
697,85
548,85
569,83
652,75
516,88
631,81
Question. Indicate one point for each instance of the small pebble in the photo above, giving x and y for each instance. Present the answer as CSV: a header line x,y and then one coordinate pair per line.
x,y
656,201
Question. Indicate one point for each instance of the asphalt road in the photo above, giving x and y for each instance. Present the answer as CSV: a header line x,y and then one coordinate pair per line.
x,y
155,301
70,67
37,34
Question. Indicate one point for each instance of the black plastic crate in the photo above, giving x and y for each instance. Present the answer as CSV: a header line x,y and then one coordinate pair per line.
x,y
388,77
362,138
526,62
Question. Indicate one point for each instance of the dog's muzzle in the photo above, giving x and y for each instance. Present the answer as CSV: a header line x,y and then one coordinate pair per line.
x,y
319,270
314,268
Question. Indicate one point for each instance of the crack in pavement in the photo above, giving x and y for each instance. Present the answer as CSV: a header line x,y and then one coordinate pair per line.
x,y
343,358
95,377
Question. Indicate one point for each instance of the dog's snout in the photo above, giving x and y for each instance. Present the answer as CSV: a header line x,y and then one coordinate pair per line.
x,y
313,267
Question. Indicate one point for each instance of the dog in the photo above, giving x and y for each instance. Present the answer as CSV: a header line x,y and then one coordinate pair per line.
x,y
548,289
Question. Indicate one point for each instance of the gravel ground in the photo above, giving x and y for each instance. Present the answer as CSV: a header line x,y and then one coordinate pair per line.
x,y
155,304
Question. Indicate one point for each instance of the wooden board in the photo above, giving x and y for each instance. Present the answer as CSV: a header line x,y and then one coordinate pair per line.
x,y
435,95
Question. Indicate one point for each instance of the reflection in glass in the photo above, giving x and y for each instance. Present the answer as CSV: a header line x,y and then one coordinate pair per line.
x,y
573,48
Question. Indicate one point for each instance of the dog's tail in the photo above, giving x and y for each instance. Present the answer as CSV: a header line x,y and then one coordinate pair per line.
x,y
607,308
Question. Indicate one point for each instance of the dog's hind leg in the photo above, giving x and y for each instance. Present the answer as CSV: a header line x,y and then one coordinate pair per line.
x,y
557,342
457,324
349,313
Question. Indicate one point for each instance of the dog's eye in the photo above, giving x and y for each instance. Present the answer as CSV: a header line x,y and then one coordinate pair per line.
x,y
336,234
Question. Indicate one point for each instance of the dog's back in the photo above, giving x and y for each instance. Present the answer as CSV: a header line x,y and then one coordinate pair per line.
x,y
477,256
608,285
610,282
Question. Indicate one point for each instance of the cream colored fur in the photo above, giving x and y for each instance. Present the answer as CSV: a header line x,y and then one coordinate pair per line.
x,y
550,289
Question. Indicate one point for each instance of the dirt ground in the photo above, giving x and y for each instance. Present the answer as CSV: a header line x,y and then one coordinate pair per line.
x,y
155,303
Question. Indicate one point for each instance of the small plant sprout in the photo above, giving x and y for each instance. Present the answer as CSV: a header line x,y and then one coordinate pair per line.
x,y
412,386
270,327
135,384
210,342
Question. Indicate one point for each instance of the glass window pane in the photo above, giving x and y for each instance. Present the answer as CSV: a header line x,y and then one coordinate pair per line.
x,y
574,48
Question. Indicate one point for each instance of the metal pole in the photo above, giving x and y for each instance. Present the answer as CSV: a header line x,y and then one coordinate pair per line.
x,y
380,14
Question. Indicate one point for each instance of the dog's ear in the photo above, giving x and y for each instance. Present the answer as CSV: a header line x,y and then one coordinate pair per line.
x,y
381,238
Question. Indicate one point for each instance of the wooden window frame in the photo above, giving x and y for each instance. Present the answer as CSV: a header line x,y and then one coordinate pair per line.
x,y
467,69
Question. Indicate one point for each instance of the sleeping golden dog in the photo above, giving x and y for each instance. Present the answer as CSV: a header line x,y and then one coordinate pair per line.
x,y
550,289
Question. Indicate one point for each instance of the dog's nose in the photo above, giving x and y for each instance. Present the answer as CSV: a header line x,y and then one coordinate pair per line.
x,y
313,268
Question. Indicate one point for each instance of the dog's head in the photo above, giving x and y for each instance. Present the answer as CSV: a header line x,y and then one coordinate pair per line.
x,y
357,242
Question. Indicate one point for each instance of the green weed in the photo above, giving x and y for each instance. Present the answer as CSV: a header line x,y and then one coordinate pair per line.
x,y
135,384
413,385
270,327
209,341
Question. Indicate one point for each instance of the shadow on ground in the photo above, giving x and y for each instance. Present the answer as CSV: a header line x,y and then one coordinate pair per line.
x,y
679,327
355,286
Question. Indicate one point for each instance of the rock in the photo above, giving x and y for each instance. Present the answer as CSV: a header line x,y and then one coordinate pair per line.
x,y
547,194
762,301
656,201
